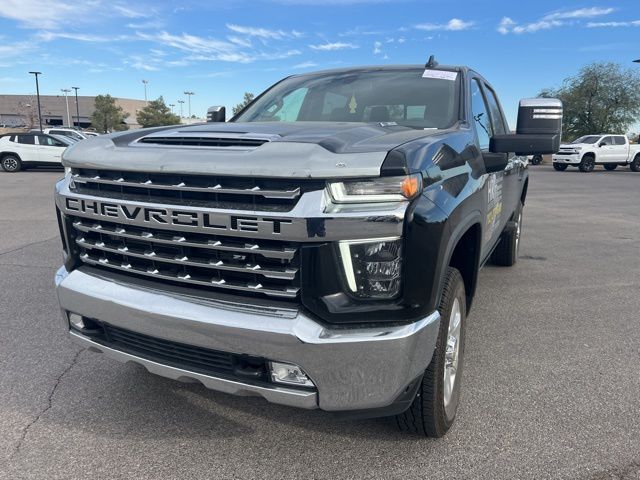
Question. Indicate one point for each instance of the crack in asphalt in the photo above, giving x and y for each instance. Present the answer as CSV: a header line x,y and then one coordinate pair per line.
x,y
25,430
28,245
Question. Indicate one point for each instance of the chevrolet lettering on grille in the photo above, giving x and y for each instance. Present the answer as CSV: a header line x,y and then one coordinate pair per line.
x,y
158,217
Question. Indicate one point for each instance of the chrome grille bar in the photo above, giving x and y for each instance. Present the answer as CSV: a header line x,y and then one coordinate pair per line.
x,y
285,292
213,264
182,186
185,240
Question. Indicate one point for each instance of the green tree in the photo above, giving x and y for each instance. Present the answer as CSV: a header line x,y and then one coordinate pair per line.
x,y
248,98
157,114
107,116
601,98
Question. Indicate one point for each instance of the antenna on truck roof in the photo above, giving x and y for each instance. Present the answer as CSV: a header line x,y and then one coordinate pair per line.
x,y
431,63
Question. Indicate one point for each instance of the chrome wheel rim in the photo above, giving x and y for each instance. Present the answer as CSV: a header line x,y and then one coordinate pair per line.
x,y
452,353
10,163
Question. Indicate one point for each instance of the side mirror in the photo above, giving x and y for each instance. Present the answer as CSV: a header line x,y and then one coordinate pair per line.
x,y
495,162
602,144
538,132
216,114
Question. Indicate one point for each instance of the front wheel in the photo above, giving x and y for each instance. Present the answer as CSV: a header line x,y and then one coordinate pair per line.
x,y
536,160
610,166
635,165
587,164
434,408
560,167
11,163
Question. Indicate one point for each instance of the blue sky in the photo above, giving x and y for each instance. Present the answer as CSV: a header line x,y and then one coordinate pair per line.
x,y
220,49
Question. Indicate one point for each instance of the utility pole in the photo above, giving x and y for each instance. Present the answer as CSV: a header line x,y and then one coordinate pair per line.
x,y
188,94
145,82
77,107
38,95
66,100
181,102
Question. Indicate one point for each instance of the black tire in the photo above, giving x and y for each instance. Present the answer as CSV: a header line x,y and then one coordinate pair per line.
x,y
560,167
587,164
536,160
11,163
506,252
635,165
428,415
610,166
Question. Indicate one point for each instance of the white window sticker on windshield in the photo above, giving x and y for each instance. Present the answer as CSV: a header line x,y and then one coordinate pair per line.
x,y
441,74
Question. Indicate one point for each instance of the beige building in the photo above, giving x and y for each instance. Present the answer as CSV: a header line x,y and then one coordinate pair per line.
x,y
22,110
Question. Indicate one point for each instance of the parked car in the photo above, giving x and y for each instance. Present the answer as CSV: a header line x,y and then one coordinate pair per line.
x,y
19,151
90,134
607,150
67,132
320,250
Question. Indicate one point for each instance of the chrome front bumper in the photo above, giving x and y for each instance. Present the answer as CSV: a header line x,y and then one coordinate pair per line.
x,y
570,159
353,369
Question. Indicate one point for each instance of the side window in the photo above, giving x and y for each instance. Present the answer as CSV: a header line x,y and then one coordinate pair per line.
x,y
333,101
497,120
286,109
606,141
619,140
49,141
480,116
26,139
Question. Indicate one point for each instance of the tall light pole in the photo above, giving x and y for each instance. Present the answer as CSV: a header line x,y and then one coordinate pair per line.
x,y
77,107
188,94
66,100
145,82
181,102
171,105
38,95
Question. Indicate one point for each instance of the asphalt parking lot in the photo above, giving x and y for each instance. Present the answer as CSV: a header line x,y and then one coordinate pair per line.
x,y
551,387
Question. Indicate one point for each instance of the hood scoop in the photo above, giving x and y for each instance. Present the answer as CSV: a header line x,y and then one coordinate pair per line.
x,y
206,139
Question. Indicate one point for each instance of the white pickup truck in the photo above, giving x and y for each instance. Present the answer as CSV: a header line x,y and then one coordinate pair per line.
x,y
590,150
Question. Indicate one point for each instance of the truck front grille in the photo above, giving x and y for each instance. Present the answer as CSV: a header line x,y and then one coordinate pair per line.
x,y
262,267
235,193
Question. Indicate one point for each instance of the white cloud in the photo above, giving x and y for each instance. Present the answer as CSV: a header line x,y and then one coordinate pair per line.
x,y
263,33
377,50
129,12
552,20
631,23
328,47
303,65
48,36
453,25
337,3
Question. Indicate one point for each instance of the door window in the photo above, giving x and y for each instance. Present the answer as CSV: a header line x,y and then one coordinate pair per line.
x,y
619,140
497,120
26,139
606,141
49,141
481,118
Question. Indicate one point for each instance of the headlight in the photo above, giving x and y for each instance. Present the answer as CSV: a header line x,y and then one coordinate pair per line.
x,y
372,268
383,189
577,149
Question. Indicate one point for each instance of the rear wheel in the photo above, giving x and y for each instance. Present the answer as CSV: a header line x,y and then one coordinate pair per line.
x,y
536,160
610,166
560,167
11,163
506,253
635,165
434,409
587,164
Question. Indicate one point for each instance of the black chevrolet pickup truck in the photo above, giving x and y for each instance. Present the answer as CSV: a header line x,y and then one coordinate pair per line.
x,y
321,249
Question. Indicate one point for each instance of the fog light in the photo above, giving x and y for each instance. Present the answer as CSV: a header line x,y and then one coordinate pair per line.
x,y
289,374
76,321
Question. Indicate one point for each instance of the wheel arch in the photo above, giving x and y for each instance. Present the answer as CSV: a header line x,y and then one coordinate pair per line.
x,y
6,153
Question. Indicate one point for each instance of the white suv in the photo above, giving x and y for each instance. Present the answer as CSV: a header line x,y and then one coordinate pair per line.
x,y
590,150
67,132
23,150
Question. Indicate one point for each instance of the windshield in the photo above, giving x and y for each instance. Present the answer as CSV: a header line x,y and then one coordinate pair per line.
x,y
587,139
400,96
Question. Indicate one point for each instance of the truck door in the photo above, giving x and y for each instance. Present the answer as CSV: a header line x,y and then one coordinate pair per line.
x,y
496,186
606,151
621,151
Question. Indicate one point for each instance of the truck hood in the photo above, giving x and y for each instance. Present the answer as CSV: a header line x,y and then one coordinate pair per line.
x,y
271,149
